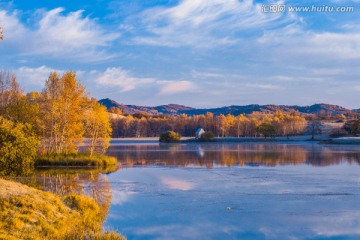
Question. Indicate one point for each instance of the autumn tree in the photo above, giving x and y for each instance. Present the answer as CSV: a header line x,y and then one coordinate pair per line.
x,y
314,126
97,127
238,125
207,136
18,146
115,110
170,137
223,124
289,124
9,89
23,110
266,129
62,112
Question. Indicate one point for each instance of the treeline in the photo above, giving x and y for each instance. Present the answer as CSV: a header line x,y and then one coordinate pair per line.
x,y
54,121
277,124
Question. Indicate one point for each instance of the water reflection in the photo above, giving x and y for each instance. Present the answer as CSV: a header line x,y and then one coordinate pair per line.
x,y
177,184
282,202
184,202
211,155
91,182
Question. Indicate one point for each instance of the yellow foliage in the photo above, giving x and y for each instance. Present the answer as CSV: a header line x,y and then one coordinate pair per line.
x,y
97,127
62,114
27,213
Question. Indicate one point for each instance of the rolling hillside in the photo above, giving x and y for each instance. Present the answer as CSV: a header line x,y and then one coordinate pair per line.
x,y
131,109
175,109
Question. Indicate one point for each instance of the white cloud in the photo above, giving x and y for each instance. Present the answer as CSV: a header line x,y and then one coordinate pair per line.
x,y
121,78
294,77
199,74
341,45
171,87
13,29
351,27
125,81
204,23
262,86
58,35
34,76
329,71
300,44
114,78
72,32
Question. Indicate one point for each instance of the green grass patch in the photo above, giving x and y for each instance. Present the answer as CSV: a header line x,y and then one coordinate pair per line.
x,y
28,213
74,159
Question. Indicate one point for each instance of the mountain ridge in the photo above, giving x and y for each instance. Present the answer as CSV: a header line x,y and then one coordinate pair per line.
x,y
176,109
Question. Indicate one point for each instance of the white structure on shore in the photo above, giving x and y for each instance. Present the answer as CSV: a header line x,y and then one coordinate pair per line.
x,y
199,132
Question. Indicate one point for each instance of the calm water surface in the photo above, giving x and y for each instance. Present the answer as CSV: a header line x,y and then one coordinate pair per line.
x,y
235,191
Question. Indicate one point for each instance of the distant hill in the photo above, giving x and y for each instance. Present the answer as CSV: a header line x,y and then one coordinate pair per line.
x,y
175,109
236,110
172,109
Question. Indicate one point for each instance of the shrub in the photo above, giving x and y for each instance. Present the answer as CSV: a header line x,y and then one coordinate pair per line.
x,y
266,129
18,146
169,137
335,133
207,136
356,126
352,126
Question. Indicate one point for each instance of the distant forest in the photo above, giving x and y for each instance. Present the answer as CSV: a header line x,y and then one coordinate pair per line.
x,y
251,125
233,121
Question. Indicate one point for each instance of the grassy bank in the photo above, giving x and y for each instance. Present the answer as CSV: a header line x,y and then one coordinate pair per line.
x,y
28,213
74,159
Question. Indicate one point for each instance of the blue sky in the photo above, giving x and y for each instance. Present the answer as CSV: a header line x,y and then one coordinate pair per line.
x,y
201,53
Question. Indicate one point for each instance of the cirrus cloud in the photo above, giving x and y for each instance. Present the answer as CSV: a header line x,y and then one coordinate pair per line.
x,y
204,23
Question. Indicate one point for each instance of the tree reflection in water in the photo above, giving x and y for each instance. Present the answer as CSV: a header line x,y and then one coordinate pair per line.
x,y
64,181
94,182
223,155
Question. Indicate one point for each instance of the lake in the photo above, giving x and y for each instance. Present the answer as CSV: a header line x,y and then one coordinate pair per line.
x,y
235,191
221,191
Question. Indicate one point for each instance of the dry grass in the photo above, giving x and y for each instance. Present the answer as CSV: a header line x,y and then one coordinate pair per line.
x,y
28,213
74,159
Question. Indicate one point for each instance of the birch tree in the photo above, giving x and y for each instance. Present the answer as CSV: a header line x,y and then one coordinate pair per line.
x,y
97,127
62,106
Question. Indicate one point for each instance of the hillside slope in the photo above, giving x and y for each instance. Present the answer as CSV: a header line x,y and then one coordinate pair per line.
x,y
131,109
175,109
